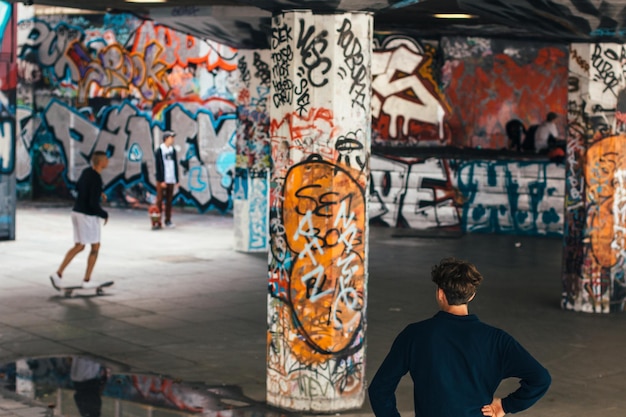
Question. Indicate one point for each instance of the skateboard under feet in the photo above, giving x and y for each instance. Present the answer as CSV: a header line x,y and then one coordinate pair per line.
x,y
67,291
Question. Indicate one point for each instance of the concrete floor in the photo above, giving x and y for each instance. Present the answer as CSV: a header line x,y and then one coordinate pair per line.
x,y
186,305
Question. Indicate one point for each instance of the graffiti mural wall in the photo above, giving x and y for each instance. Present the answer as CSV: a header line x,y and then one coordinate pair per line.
x,y
8,81
408,106
114,83
461,93
489,82
320,133
473,196
595,249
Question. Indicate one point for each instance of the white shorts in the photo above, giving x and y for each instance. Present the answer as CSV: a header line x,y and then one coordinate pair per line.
x,y
86,228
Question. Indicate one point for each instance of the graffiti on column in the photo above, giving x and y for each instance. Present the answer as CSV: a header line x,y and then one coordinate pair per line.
x,y
318,212
7,143
253,143
258,195
408,106
8,79
282,56
316,268
602,279
113,83
7,91
324,235
251,192
311,46
475,68
354,63
606,103
575,211
317,272
593,279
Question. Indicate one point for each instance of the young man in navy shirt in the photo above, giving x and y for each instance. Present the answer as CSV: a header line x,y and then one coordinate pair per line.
x,y
456,361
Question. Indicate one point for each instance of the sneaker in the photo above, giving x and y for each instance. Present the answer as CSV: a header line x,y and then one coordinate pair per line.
x,y
57,282
170,225
90,284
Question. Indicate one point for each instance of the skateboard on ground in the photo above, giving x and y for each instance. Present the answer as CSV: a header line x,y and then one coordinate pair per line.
x,y
155,217
67,291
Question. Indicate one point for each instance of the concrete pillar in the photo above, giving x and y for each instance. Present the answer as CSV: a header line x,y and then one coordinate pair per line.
x,y
8,84
595,206
252,167
320,133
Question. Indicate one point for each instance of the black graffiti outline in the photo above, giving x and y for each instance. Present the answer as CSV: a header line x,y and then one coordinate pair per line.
x,y
347,144
311,52
354,61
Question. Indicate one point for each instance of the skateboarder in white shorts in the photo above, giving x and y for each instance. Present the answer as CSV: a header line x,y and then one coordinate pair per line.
x,y
86,216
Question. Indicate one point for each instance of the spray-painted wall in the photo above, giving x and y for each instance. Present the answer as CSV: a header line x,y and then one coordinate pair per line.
x,y
8,80
488,82
461,93
474,196
320,133
114,83
408,105
595,249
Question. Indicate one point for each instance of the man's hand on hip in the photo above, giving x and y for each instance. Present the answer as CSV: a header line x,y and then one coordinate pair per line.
x,y
494,409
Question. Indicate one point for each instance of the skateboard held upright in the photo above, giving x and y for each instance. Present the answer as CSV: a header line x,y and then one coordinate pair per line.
x,y
155,217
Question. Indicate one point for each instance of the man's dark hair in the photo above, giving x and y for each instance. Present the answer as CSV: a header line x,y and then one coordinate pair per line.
x,y
458,279
97,156
551,116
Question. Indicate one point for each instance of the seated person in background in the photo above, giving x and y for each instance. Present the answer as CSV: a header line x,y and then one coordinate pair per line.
x,y
529,141
515,131
547,135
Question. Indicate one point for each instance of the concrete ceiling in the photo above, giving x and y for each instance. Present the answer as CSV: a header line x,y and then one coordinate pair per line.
x,y
246,23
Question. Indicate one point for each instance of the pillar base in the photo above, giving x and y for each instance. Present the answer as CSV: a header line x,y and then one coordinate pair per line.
x,y
323,405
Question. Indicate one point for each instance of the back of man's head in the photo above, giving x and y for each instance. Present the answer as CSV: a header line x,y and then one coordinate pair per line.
x,y
97,157
551,116
458,279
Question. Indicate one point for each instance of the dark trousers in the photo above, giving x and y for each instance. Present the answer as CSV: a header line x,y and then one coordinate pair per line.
x,y
87,397
166,192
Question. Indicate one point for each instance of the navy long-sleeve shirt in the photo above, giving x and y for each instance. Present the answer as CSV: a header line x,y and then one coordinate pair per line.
x,y
89,189
456,363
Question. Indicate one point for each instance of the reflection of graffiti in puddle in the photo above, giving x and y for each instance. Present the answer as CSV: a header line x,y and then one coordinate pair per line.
x,y
78,386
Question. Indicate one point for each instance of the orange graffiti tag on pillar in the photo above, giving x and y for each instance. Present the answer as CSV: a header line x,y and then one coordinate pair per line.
x,y
605,175
605,159
324,218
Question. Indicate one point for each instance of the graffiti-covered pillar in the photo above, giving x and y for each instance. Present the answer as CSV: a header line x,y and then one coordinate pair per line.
x,y
252,166
8,83
595,205
320,111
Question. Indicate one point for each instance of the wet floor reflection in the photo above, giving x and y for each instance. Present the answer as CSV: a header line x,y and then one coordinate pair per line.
x,y
79,386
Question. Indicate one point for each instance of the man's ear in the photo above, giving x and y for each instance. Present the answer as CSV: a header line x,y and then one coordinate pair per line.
x,y
472,297
441,296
